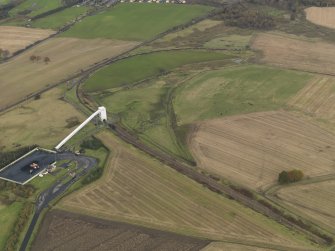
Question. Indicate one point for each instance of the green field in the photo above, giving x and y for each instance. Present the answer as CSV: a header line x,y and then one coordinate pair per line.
x,y
135,21
144,110
2,2
8,217
141,67
36,7
59,19
236,90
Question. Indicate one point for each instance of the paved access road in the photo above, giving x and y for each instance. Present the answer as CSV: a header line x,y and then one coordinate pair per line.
x,y
84,164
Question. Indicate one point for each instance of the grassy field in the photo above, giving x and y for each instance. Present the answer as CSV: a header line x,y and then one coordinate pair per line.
x,y
229,42
304,54
35,7
236,90
8,216
130,21
59,19
143,109
68,56
140,190
253,149
17,38
128,71
315,201
2,2
40,122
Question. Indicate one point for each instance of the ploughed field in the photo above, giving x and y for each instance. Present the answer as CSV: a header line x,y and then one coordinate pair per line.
x,y
22,76
253,149
16,38
66,231
292,52
316,201
321,16
140,190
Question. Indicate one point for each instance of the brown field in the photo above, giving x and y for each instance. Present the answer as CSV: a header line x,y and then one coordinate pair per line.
x,y
21,77
65,231
253,149
295,53
321,16
16,38
316,201
140,190
41,122
317,98
221,246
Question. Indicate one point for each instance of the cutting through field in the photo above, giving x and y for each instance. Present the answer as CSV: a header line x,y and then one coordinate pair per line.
x,y
315,201
30,71
253,149
317,98
17,38
140,190
321,16
289,51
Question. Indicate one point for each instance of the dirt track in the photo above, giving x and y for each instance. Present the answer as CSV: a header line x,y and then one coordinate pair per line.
x,y
16,38
66,231
291,52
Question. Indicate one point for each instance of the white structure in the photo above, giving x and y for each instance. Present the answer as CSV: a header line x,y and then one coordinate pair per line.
x,y
103,117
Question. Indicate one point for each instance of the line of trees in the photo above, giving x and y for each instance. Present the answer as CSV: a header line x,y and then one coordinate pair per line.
x,y
8,157
36,59
238,15
286,177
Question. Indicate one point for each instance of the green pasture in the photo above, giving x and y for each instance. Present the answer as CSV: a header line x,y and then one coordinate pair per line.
x,y
59,19
8,217
36,7
128,71
236,90
133,21
144,110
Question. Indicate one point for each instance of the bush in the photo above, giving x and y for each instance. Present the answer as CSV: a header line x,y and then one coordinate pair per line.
x,y
92,143
286,177
92,175
72,122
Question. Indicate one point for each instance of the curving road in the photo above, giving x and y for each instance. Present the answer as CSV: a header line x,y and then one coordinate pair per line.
x,y
84,164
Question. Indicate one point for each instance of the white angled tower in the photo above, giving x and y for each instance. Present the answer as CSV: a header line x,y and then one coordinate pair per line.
x,y
102,115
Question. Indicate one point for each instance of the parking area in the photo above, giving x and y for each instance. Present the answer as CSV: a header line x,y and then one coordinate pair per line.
x,y
27,167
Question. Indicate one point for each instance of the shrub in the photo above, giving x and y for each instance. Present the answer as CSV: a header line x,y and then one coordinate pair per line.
x,y
92,143
286,177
